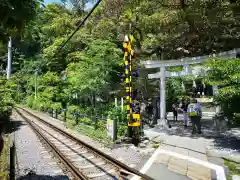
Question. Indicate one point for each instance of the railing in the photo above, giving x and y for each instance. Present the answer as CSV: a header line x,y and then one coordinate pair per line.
x,y
94,121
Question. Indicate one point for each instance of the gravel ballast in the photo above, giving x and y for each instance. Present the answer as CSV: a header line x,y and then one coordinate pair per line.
x,y
128,155
33,161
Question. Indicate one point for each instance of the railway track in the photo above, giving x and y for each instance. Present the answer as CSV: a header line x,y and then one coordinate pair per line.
x,y
79,158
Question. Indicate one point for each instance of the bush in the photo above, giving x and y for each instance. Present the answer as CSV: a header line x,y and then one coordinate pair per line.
x,y
99,134
41,104
73,109
71,123
117,113
6,100
85,120
6,112
4,160
30,100
101,125
56,106
122,130
76,110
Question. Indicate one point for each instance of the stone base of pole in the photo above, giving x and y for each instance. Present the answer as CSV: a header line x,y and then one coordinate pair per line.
x,y
130,132
162,124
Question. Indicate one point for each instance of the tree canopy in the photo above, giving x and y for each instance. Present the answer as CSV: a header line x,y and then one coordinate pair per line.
x,y
93,58
225,73
15,14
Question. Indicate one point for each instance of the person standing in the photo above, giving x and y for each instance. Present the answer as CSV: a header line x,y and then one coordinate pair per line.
x,y
150,111
185,114
195,114
175,111
137,108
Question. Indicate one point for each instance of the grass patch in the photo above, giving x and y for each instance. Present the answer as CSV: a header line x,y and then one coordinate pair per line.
x,y
99,135
5,160
234,168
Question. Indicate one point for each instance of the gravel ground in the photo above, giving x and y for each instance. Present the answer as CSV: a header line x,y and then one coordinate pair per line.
x,y
129,155
32,160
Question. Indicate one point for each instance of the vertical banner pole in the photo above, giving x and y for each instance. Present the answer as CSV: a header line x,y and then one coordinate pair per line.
x,y
133,119
126,46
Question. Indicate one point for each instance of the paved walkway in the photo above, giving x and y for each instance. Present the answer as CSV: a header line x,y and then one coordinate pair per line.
x,y
205,115
184,155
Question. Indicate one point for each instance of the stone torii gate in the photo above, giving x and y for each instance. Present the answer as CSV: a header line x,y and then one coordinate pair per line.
x,y
185,62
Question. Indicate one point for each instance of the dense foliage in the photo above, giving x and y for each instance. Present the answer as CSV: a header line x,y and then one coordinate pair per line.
x,y
226,74
7,91
15,14
92,61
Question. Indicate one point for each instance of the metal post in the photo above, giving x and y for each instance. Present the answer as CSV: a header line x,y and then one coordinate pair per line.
x,y
12,161
9,65
65,115
114,129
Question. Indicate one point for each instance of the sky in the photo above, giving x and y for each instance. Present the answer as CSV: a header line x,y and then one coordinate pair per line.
x,y
52,1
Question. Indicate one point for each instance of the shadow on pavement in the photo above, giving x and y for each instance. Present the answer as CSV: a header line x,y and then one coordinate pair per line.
x,y
34,176
14,125
10,126
7,127
228,139
228,142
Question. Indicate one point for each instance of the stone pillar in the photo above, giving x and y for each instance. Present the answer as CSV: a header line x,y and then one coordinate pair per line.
x,y
162,108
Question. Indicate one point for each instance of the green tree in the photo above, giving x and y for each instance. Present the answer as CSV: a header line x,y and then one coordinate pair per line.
x,y
15,14
95,70
7,91
93,57
225,73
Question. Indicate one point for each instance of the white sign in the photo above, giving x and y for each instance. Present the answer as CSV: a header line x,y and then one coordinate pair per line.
x,y
110,130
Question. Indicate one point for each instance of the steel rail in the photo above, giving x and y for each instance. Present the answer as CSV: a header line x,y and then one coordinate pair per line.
x,y
106,157
74,171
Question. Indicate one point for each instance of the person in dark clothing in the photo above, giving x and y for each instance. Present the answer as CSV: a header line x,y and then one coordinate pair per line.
x,y
184,109
238,55
195,114
175,111
149,111
137,107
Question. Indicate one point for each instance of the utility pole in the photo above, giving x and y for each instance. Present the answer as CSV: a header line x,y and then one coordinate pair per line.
x,y
35,85
9,63
18,88
12,141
